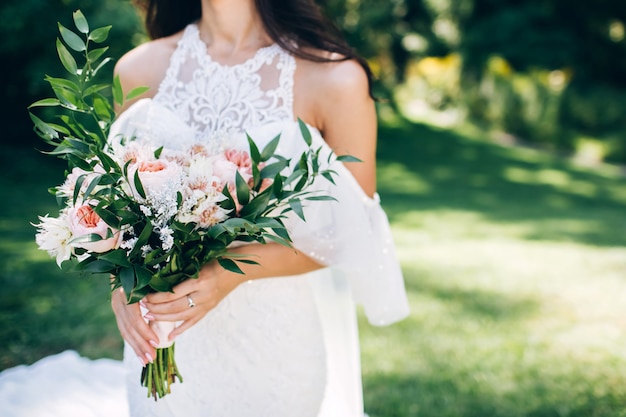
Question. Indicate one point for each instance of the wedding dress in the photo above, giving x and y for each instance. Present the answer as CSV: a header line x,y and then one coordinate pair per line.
x,y
276,347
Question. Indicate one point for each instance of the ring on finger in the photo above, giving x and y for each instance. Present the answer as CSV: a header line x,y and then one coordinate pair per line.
x,y
190,302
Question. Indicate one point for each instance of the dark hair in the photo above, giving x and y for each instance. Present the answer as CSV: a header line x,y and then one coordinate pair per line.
x,y
295,25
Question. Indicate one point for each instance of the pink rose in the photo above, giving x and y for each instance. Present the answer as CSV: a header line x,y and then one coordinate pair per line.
x,y
84,220
156,175
236,160
225,171
239,158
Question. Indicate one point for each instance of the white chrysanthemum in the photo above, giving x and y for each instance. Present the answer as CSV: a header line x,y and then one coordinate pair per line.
x,y
53,236
69,185
132,151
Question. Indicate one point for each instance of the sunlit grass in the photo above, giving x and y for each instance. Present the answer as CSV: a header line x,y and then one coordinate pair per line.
x,y
515,263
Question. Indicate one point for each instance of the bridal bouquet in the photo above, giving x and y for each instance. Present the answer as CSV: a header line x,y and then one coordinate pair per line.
x,y
149,216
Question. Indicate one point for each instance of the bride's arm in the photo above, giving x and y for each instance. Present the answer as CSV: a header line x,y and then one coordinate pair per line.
x,y
214,283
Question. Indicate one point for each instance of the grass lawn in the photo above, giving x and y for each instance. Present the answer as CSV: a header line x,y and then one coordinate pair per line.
x,y
515,262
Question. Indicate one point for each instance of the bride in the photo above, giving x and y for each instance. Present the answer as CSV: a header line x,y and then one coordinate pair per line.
x,y
281,340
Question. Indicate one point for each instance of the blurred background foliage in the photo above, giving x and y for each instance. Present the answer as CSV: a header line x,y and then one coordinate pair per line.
x,y
545,72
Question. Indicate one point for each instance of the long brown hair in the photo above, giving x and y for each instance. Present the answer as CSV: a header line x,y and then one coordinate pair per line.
x,y
298,26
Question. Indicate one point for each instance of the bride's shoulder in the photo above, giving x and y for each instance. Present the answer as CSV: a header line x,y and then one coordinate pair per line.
x,y
327,88
146,64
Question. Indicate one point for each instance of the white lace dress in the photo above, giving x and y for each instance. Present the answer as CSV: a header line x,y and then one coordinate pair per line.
x,y
278,347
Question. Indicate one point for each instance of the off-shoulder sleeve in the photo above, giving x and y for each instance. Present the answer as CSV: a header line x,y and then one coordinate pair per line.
x,y
353,236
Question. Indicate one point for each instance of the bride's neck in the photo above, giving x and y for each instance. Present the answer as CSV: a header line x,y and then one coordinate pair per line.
x,y
232,26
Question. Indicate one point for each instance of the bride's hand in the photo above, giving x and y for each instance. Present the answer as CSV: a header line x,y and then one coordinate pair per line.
x,y
133,327
193,298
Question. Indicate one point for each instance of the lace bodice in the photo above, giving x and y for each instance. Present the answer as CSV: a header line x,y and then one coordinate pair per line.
x,y
214,98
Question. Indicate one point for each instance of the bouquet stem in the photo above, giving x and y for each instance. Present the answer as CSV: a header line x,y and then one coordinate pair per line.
x,y
159,375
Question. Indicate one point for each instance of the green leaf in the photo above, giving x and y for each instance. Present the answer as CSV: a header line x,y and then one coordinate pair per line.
x,y
127,278
62,83
243,190
59,128
100,35
136,92
68,99
277,186
144,276
230,265
271,170
280,240
102,108
255,207
66,58
71,39
93,184
138,185
296,206
109,217
229,202
86,238
329,177
254,151
116,257
141,240
80,22
270,149
78,186
321,198
348,158
157,153
306,133
95,54
46,102
99,67
92,89
98,267
118,95
42,127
